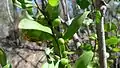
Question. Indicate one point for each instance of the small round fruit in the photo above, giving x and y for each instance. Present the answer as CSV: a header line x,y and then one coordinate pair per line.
x,y
64,61
56,22
61,41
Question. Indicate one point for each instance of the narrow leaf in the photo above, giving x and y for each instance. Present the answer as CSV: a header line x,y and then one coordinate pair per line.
x,y
57,64
98,16
84,59
30,24
75,25
48,65
8,66
3,60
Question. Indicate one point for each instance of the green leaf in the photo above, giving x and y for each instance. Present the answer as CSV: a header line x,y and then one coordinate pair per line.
x,y
93,37
48,65
84,59
110,62
29,10
87,47
51,64
29,5
116,49
68,66
83,3
45,65
27,15
46,36
57,64
75,25
23,5
90,65
106,27
18,4
53,2
8,66
98,16
3,58
28,1
36,35
113,27
30,24
112,41
69,52
110,27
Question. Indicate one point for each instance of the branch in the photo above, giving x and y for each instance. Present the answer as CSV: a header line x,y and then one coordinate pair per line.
x,y
101,35
38,7
9,13
64,7
47,17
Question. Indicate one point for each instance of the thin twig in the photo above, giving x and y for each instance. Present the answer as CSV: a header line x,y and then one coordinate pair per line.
x,y
39,7
101,35
9,13
49,22
64,7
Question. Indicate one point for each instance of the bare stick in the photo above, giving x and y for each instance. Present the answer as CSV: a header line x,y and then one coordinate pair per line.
x,y
101,35
9,13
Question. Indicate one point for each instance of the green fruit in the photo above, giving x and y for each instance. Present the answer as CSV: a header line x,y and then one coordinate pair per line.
x,y
56,22
62,47
61,41
64,61
41,19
